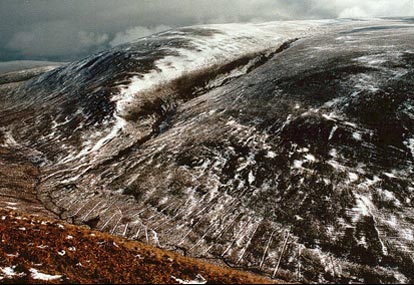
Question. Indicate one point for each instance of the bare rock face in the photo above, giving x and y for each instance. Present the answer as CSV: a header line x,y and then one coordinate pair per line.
x,y
284,148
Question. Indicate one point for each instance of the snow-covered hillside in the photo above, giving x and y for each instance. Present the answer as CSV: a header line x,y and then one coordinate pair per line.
x,y
284,147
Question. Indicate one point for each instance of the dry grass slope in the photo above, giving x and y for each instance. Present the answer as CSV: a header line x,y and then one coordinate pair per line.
x,y
75,254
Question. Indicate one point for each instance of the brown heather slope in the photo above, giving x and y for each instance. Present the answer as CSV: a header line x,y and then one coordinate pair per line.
x,y
80,255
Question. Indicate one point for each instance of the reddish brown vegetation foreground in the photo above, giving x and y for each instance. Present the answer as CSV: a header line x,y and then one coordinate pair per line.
x,y
80,255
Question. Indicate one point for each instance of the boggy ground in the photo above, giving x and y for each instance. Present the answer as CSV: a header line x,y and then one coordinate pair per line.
x,y
39,250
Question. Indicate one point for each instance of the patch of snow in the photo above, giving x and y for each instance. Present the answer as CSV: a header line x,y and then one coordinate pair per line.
x,y
370,182
297,164
389,197
372,60
410,145
331,117
390,175
9,141
271,154
408,234
399,73
198,280
353,125
335,164
367,83
310,157
361,208
302,150
353,176
251,178
365,207
62,252
357,136
8,273
333,102
393,222
298,218
362,241
117,128
332,132
35,274
401,279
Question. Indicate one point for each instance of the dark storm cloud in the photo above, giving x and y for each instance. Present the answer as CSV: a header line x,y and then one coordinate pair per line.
x,y
65,30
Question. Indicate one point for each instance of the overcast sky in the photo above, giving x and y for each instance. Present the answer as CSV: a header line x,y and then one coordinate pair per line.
x,y
66,30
